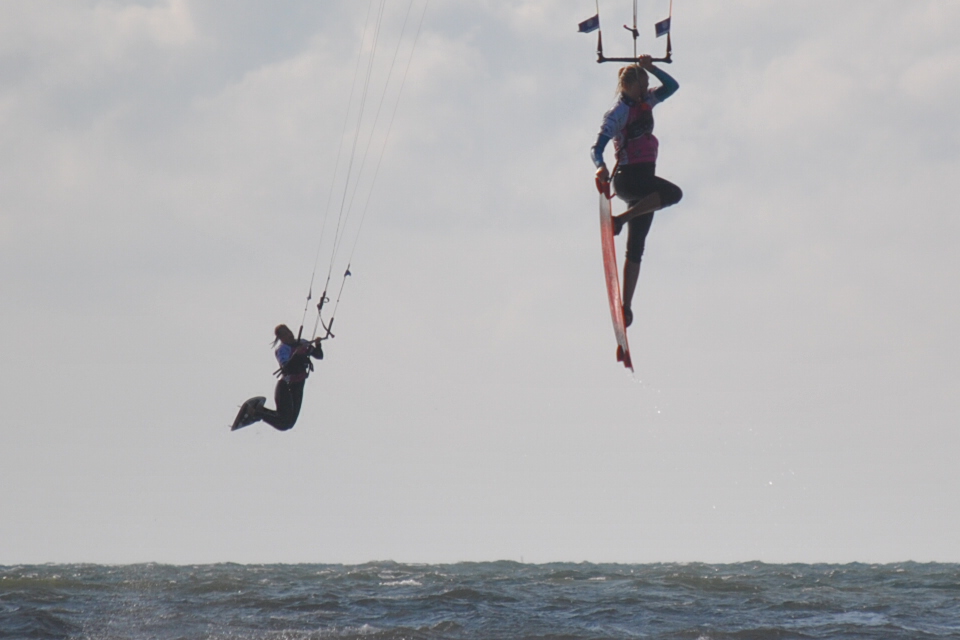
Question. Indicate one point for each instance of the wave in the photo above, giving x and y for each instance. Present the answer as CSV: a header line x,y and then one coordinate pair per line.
x,y
386,600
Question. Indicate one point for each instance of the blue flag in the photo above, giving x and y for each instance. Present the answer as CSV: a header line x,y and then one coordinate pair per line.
x,y
590,24
663,27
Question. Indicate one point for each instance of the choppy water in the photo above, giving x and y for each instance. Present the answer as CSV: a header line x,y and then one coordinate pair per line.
x,y
481,600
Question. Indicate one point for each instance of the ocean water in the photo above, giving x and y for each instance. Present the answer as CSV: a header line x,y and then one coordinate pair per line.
x,y
481,600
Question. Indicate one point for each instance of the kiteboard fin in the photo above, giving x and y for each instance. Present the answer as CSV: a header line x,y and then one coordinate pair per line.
x,y
624,357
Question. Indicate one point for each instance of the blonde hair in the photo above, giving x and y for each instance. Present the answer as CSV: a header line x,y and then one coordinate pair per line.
x,y
631,74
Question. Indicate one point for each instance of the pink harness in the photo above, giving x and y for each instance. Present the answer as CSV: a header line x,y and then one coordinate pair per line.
x,y
636,143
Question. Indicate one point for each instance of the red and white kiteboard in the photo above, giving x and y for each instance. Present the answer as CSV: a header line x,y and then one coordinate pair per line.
x,y
611,275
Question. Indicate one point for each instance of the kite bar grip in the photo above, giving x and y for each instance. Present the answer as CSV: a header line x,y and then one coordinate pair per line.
x,y
603,186
602,58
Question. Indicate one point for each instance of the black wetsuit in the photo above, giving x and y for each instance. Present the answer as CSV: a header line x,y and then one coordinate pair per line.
x,y
295,366
632,183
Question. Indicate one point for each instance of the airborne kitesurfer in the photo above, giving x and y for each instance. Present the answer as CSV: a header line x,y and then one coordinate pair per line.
x,y
294,356
630,125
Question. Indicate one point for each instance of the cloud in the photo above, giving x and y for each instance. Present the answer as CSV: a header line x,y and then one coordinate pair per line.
x,y
166,171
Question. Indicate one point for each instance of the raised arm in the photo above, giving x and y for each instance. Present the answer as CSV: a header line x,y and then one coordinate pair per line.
x,y
668,86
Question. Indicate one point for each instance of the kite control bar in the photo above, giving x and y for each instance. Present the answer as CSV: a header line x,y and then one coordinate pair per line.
x,y
662,28
602,58
667,59
327,326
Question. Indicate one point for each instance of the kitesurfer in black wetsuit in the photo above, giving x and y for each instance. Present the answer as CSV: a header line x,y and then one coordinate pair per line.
x,y
295,365
630,125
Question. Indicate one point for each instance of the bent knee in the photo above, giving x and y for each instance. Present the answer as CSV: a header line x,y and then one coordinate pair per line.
x,y
672,196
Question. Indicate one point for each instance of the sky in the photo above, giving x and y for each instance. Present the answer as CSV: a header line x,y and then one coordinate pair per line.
x,y
165,174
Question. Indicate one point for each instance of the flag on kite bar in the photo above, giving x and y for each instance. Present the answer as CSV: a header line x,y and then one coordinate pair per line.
x,y
590,24
663,27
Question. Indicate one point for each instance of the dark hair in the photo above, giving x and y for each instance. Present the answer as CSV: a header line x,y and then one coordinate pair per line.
x,y
277,330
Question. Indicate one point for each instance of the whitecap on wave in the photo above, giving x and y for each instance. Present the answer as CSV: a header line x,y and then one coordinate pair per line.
x,y
409,582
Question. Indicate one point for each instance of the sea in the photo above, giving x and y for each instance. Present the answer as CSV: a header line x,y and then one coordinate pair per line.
x,y
494,600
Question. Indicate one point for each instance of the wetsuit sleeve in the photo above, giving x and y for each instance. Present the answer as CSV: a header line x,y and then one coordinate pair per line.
x,y
668,86
614,121
596,151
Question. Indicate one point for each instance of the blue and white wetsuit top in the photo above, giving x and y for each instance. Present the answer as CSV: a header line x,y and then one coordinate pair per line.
x,y
630,125
294,360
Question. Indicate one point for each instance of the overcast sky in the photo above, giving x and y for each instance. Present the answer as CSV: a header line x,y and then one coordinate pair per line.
x,y
164,173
